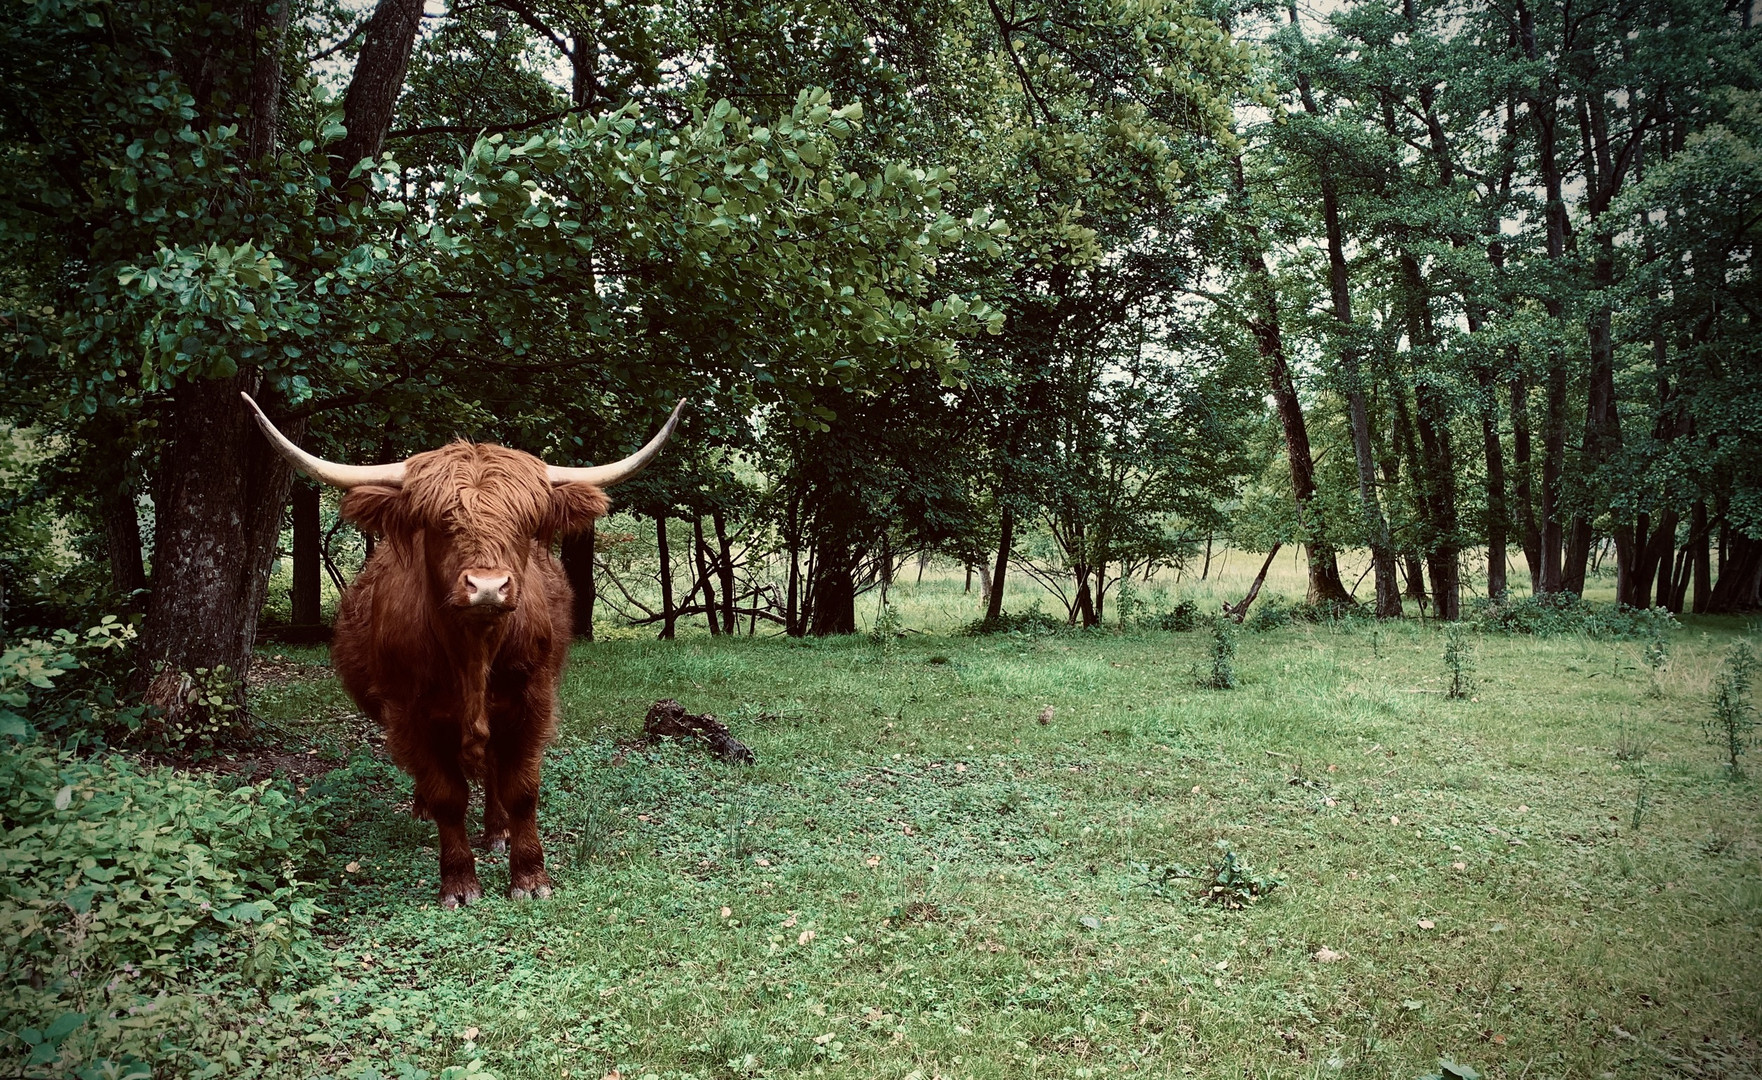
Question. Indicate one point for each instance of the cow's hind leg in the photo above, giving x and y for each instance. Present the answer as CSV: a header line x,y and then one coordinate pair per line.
x,y
441,787
495,819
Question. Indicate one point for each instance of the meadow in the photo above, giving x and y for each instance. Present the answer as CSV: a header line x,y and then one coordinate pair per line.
x,y
981,857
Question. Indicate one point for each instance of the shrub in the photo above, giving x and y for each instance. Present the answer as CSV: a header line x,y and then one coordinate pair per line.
x,y
1734,717
1563,613
1033,623
1276,611
64,684
1223,657
123,887
1183,618
1458,662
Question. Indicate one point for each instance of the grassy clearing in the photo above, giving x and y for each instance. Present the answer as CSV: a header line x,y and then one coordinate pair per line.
x,y
1552,878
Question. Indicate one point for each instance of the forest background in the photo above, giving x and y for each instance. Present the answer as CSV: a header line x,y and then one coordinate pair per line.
x,y
1074,290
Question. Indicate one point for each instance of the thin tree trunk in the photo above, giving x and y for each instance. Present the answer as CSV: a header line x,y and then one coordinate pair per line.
x,y
1006,541
1698,527
122,538
669,617
1238,610
1521,464
1325,586
1376,526
577,552
308,568
1498,516
725,568
700,552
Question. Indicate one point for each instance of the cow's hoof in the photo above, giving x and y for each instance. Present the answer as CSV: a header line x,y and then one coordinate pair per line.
x,y
460,895
494,842
537,892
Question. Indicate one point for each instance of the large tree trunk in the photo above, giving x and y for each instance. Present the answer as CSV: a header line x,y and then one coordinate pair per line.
x,y
308,568
834,591
1376,526
1739,588
269,22
1325,586
577,553
1006,541
221,491
373,91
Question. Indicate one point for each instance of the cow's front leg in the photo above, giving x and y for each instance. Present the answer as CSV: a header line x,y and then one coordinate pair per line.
x,y
515,760
442,788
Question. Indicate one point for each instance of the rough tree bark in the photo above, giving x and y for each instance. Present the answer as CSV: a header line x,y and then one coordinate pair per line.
x,y
375,85
221,492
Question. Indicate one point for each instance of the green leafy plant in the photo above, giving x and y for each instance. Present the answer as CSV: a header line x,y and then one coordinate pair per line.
x,y
1732,724
1184,616
1030,623
1458,663
62,683
1657,660
1551,614
1230,883
1222,675
125,886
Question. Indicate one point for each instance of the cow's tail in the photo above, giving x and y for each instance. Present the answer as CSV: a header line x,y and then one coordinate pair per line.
x,y
474,742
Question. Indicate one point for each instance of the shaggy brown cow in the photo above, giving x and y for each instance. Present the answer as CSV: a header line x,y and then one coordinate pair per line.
x,y
454,635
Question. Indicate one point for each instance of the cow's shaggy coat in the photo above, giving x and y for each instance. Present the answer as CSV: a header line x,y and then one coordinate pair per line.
x,y
466,690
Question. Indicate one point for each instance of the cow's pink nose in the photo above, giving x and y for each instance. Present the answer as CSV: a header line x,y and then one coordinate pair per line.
x,y
488,588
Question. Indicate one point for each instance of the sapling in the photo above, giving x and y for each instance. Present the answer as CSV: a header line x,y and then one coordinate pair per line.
x,y
1458,662
1734,717
1657,657
1223,657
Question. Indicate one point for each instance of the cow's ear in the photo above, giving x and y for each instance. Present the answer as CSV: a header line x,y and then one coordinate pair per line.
x,y
377,509
574,507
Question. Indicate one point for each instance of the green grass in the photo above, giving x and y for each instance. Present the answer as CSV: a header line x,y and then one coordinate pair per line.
x,y
920,878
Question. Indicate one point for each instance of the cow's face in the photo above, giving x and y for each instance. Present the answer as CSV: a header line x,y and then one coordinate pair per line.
x,y
470,512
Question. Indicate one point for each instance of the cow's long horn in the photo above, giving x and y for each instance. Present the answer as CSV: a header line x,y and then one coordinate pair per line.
x,y
327,472
619,471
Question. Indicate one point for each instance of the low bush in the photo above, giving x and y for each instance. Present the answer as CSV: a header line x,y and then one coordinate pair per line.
x,y
1552,614
1184,617
126,889
1033,622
